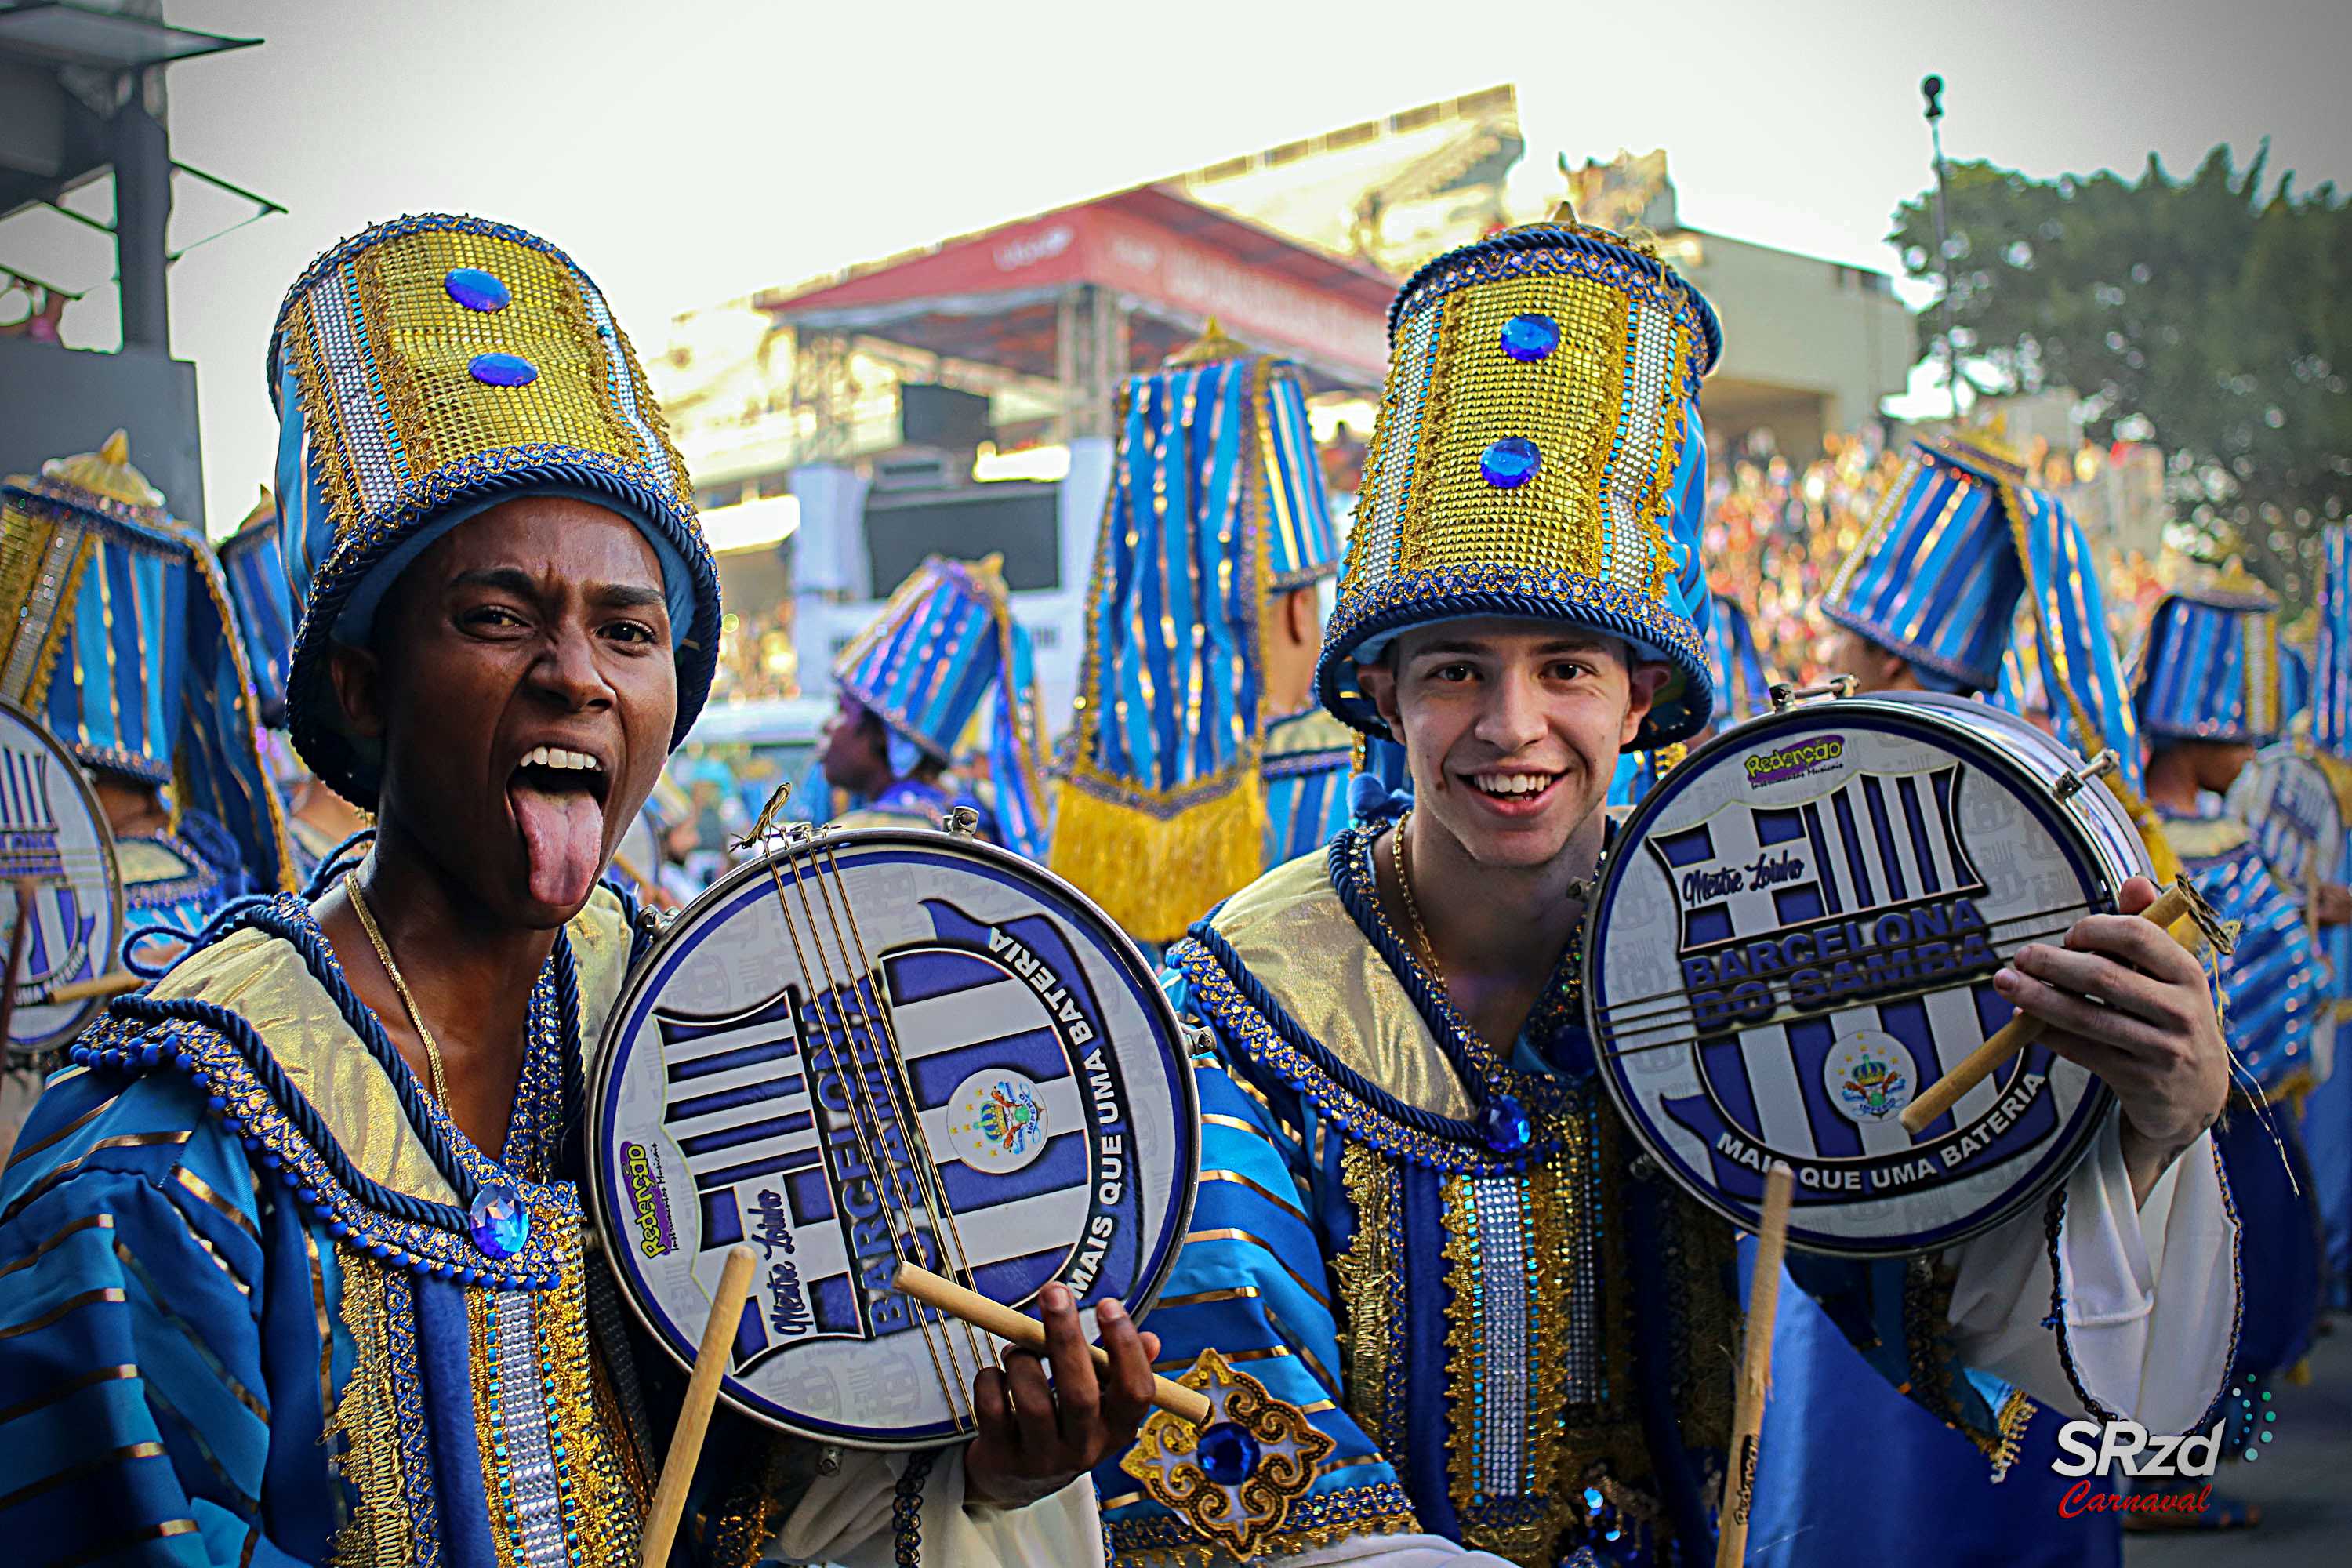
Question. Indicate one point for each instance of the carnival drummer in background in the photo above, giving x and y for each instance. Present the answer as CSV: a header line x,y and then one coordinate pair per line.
x,y
913,681
1419,1213
311,1282
1930,601
1197,755
139,666
2207,688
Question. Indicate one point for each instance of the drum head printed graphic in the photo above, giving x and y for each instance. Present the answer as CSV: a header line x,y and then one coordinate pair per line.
x,y
53,845
2287,799
1797,933
888,1045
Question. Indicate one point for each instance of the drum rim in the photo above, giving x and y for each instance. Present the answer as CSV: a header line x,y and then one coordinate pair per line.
x,y
1187,1094
16,1054
2090,1117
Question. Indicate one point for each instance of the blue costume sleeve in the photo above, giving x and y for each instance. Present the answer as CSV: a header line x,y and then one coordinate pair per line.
x,y
1251,1282
136,1407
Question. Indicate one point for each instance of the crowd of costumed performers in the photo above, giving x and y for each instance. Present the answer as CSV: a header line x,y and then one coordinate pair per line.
x,y
1431,948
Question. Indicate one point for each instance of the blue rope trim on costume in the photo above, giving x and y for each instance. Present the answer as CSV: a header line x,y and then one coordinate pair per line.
x,y
1354,885
907,1510
334,863
216,926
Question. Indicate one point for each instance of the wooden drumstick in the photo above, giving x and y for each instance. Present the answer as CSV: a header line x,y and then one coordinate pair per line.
x,y
2014,1036
113,983
1755,1370
701,1396
1018,1328
18,935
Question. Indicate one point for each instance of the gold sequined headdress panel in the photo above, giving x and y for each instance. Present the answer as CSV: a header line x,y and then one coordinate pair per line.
x,y
1539,454
427,370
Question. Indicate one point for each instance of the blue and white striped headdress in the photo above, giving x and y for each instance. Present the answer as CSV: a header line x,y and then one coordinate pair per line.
x,y
256,571
1216,502
425,371
2331,676
1937,577
1539,454
2296,683
117,630
946,641
2209,668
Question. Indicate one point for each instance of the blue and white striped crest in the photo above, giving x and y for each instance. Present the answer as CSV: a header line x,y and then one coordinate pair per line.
x,y
2331,679
1937,578
265,605
2209,668
946,642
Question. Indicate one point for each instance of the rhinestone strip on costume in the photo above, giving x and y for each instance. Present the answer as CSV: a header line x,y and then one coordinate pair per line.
x,y
522,1446
362,426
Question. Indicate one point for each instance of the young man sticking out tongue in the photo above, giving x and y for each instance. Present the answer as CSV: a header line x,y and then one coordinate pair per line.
x,y
312,1278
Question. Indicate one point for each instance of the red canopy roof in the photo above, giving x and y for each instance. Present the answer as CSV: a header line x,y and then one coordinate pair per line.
x,y
990,298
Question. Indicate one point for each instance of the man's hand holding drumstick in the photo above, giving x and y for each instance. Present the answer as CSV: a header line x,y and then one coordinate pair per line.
x,y
2156,1042
1038,1433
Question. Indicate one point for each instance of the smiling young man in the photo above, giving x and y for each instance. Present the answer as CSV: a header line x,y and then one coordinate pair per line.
x,y
1420,1222
293,1262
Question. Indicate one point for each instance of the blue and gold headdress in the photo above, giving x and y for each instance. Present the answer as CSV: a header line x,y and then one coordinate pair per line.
x,y
1539,454
425,371
1216,502
2331,673
2209,669
256,571
116,628
946,640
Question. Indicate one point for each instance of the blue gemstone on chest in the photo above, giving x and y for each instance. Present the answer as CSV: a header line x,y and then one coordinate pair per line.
x,y
1505,1125
502,370
477,289
1511,462
500,1222
1530,338
1228,1453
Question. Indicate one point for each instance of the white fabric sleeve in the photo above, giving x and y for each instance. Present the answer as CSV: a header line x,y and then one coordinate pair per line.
x,y
845,1519
2148,1308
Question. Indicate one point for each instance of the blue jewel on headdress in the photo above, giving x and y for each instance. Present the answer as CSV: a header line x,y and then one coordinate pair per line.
x,y
502,370
1505,1125
1228,1453
1511,462
500,1222
1531,337
477,289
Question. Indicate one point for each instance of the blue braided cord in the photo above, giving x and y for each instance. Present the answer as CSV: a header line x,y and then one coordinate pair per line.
x,y
305,938
334,863
1293,1034
575,1090
1355,896
217,925
299,1109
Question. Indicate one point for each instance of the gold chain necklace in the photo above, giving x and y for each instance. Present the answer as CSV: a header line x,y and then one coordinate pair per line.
x,y
1412,906
384,951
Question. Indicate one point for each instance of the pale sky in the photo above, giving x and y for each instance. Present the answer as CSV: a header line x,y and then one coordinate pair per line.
x,y
686,151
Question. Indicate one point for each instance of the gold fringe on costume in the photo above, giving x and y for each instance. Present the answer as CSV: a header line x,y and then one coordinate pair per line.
x,y
1196,856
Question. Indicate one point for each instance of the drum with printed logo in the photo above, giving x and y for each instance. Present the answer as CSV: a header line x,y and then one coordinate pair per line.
x,y
1796,932
875,1045
2286,798
56,864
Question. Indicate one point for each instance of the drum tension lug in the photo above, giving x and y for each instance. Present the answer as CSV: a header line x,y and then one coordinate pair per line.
x,y
1200,1040
964,821
1785,696
828,1459
1642,1167
2070,784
